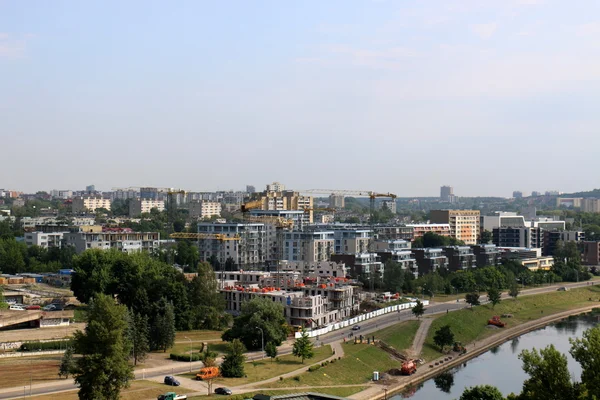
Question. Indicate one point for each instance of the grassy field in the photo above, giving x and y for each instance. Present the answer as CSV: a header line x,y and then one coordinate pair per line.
x,y
471,324
335,391
356,367
139,390
399,336
184,347
264,369
201,335
18,371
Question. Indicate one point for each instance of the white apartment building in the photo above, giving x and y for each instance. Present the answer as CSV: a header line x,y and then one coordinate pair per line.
x,y
43,239
62,194
321,269
275,187
501,219
204,209
122,241
139,206
308,246
124,194
389,204
352,241
89,204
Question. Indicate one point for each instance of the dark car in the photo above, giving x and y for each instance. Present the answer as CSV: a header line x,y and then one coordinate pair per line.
x,y
355,327
224,391
171,381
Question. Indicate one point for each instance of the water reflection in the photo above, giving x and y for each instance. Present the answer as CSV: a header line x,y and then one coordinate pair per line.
x,y
500,366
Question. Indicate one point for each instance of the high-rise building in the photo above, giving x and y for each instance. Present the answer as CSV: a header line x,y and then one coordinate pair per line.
x,y
517,194
389,204
275,187
536,193
464,224
89,203
590,205
336,201
204,209
446,193
141,206
90,188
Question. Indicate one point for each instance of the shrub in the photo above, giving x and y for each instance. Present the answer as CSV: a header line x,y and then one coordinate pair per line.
x,y
313,368
297,378
186,357
52,345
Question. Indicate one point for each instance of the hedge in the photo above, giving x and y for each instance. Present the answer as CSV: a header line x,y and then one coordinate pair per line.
x,y
313,368
195,356
52,345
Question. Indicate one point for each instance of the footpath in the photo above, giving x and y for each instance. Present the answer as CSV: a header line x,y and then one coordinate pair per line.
x,y
433,368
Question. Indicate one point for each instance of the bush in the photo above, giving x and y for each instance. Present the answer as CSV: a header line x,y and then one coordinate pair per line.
x,y
52,345
313,368
186,357
297,378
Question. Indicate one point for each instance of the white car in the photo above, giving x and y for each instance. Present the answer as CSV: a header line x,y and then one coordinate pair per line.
x,y
16,308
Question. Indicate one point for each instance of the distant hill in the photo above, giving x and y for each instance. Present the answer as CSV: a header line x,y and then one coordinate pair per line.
x,y
591,193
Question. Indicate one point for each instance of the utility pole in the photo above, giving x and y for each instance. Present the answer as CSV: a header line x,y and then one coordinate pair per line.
x,y
191,349
262,336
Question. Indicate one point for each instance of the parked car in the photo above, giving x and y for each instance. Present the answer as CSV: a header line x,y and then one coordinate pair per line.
x,y
356,327
33,307
49,307
16,307
563,289
223,390
171,381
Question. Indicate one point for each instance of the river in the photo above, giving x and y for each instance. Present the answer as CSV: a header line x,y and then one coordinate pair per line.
x,y
501,366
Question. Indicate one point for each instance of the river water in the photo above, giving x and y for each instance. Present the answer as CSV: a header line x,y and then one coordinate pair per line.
x,y
501,366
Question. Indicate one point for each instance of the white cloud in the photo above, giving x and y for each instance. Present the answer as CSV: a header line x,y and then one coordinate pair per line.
x,y
484,31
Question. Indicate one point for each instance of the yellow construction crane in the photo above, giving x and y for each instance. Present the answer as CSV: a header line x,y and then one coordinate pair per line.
x,y
251,205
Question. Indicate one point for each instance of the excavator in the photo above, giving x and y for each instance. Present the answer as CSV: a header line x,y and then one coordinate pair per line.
x,y
495,320
408,367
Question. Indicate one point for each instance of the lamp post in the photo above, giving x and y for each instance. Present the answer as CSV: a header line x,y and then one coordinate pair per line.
x,y
262,337
385,393
190,351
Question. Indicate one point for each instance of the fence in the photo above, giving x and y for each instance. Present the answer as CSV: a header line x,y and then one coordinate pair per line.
x,y
360,318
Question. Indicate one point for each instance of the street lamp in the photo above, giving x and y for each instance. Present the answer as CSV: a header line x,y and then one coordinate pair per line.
x,y
385,393
262,337
190,351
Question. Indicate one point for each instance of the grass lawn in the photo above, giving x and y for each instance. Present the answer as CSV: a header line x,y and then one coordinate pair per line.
x,y
201,335
80,314
399,336
471,324
335,391
266,369
16,372
139,390
184,347
356,367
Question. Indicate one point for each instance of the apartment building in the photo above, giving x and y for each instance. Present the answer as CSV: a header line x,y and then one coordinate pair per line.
x,y
204,209
82,204
591,252
61,194
486,254
141,206
309,246
527,237
123,240
464,224
590,205
337,201
312,270
430,260
253,246
404,258
551,239
367,265
352,241
421,229
388,204
273,199
396,232
569,202
459,257
501,218
124,194
447,194
45,239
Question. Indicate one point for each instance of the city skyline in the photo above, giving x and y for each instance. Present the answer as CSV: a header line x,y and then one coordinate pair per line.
x,y
361,95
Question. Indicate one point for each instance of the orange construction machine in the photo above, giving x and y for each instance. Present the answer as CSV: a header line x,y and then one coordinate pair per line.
x,y
495,320
207,373
409,367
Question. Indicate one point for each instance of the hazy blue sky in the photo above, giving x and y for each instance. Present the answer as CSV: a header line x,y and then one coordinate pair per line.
x,y
401,96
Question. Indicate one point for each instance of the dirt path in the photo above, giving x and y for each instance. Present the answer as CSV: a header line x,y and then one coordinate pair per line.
x,y
420,336
20,335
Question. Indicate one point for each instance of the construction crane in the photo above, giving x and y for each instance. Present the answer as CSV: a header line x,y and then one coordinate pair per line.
x,y
279,222
251,205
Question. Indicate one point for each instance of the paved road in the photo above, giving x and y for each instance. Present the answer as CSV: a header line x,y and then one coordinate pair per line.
x,y
367,327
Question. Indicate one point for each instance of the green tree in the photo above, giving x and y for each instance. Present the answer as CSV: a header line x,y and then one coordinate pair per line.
x,y
271,350
258,313
394,277
494,296
513,289
419,309
233,363
207,304
443,337
482,392
67,363
549,377
586,351
472,299
486,237
162,332
103,370
138,333
303,347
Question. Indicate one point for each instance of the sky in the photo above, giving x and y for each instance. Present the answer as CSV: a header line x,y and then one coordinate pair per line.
x,y
391,96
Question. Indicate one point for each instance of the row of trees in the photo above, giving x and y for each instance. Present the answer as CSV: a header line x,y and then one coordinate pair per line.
x,y
153,289
16,257
549,376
